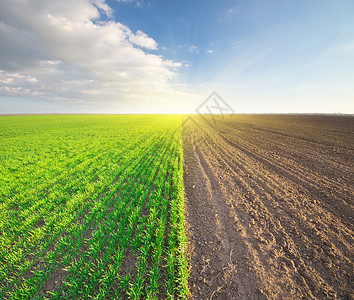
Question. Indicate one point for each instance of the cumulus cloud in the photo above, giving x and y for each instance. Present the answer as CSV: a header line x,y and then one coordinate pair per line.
x,y
73,51
143,40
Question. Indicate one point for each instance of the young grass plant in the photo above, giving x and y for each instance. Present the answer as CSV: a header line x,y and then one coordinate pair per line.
x,y
82,194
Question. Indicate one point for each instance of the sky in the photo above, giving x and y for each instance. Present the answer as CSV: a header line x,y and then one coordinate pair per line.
x,y
164,56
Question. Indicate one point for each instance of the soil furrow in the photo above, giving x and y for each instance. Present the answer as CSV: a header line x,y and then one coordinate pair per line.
x,y
265,226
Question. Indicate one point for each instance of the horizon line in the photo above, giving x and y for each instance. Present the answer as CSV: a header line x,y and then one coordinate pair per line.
x,y
142,114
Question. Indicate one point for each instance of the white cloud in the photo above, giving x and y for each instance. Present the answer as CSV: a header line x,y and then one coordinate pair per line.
x,y
194,49
227,14
210,51
66,50
137,3
143,40
100,4
17,84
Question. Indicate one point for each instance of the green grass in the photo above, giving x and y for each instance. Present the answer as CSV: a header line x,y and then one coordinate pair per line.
x,y
92,207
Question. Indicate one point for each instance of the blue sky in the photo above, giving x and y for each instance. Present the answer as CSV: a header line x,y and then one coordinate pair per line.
x,y
168,56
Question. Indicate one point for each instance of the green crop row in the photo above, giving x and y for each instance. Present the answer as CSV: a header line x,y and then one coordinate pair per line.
x,y
92,207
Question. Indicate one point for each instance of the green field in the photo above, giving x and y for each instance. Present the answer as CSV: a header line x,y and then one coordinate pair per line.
x,y
92,206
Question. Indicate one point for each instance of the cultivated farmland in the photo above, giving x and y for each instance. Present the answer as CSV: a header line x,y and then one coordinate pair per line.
x,y
270,206
92,206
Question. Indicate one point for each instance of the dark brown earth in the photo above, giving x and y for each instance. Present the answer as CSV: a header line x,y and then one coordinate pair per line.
x,y
269,204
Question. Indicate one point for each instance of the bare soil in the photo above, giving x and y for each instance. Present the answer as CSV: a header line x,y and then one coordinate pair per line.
x,y
269,206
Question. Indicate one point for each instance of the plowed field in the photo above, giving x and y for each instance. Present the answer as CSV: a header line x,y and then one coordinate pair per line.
x,y
269,204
